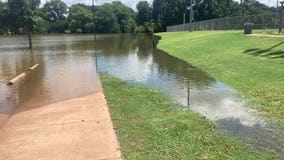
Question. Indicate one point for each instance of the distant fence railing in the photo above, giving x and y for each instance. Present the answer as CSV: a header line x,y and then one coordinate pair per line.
x,y
260,21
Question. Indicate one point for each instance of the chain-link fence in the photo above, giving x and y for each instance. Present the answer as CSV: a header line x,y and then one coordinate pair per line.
x,y
260,21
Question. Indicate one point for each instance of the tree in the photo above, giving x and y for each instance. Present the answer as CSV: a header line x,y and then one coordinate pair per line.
x,y
21,13
106,20
144,12
55,14
124,15
55,10
114,18
3,12
80,17
169,12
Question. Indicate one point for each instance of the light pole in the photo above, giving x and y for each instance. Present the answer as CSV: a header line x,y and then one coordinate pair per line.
x,y
281,17
94,18
190,15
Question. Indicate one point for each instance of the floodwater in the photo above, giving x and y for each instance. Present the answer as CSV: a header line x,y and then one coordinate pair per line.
x,y
64,72
68,67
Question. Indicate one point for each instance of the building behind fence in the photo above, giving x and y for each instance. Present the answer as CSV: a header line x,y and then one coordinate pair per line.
x,y
260,21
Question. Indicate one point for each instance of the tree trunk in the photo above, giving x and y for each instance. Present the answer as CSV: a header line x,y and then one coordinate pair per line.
x,y
30,39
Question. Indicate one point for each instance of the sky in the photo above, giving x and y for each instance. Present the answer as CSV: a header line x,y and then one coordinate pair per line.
x,y
132,3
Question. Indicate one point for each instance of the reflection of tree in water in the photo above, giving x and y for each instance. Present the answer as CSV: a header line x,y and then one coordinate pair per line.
x,y
117,45
145,46
183,71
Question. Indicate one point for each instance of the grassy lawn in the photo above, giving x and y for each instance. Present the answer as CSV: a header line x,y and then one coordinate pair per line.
x,y
150,128
252,65
268,31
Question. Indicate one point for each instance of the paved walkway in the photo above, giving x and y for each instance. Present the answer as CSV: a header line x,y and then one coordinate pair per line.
x,y
76,129
266,35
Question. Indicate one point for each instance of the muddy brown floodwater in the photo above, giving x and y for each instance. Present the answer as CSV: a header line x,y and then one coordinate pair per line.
x,y
68,67
64,72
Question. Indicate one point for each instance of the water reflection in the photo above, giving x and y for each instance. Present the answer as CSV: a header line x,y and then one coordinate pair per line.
x,y
137,62
68,69
64,72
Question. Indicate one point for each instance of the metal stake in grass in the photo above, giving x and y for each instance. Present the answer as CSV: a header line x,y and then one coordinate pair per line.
x,y
281,17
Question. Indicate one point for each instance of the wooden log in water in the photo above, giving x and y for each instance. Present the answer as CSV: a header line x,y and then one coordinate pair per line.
x,y
34,67
17,79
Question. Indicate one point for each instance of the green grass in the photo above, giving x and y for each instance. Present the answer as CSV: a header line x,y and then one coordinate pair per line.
x,y
150,128
268,31
252,65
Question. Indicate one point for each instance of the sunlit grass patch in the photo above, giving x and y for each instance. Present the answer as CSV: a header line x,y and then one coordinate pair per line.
x,y
149,127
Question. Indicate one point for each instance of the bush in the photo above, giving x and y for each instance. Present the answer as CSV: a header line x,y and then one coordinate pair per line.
x,y
79,30
68,31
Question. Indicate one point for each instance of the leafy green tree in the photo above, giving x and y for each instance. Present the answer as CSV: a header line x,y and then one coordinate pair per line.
x,y
169,12
106,20
115,18
124,15
128,25
55,10
80,17
210,9
3,12
21,13
144,12
55,14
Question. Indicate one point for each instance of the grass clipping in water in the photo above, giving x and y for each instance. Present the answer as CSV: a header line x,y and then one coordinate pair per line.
x,y
150,128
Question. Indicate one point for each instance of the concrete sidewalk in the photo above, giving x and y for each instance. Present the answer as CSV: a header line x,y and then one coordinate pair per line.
x,y
75,129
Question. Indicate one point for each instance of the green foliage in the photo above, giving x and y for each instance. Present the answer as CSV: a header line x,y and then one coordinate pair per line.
x,y
168,12
251,65
80,17
3,10
55,10
150,128
79,30
67,31
58,26
21,13
144,12
139,29
106,20
115,18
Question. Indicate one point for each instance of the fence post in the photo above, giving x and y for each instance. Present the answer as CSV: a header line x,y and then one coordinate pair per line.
x,y
281,17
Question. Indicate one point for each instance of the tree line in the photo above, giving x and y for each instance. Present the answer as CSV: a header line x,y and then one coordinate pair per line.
x,y
26,16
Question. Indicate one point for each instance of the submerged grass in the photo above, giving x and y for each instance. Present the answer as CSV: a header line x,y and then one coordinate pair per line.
x,y
252,65
150,128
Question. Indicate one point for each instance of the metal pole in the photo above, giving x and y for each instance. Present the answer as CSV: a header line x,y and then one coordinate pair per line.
x,y
190,16
281,17
277,4
183,22
94,18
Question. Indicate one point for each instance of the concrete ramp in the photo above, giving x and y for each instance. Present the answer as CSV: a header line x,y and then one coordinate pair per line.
x,y
75,129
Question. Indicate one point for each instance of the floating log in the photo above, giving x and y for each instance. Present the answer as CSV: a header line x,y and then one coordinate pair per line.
x,y
34,67
17,79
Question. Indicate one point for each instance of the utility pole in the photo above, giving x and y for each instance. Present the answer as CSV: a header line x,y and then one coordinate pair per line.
x,y
281,17
94,18
277,4
190,16
183,21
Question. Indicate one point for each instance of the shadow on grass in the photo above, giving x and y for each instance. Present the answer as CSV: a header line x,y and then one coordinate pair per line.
x,y
266,52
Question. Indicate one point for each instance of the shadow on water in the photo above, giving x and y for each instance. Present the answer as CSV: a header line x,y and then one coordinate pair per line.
x,y
267,52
